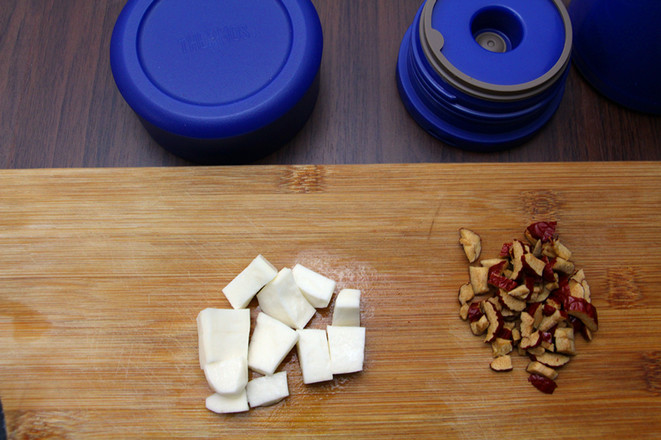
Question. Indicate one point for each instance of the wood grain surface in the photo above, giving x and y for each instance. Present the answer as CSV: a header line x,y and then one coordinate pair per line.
x,y
59,106
103,271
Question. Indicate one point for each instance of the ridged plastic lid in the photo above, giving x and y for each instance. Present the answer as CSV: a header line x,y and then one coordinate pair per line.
x,y
522,46
214,69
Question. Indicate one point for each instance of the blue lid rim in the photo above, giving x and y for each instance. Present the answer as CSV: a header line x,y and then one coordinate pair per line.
x,y
481,89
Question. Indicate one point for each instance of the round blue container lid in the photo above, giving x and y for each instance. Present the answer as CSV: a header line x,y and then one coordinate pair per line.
x,y
215,69
532,32
503,50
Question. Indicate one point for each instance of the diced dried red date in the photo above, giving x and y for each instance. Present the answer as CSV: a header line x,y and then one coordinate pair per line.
x,y
505,250
546,336
583,310
474,312
548,310
498,268
548,275
530,281
542,230
532,308
504,333
497,279
576,323
563,282
501,282
542,383
562,294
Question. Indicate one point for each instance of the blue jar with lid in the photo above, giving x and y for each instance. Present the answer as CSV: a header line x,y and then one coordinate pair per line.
x,y
219,81
485,75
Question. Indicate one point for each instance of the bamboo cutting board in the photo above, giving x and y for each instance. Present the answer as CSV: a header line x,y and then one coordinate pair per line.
x,y
103,271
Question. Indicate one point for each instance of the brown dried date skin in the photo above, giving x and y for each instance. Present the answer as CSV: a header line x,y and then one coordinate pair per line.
x,y
543,384
505,250
504,283
474,312
542,230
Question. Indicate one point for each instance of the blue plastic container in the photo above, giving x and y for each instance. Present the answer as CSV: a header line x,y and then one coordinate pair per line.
x,y
617,49
219,81
485,75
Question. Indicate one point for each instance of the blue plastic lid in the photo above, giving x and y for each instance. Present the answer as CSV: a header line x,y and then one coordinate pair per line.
x,y
532,33
214,69
497,50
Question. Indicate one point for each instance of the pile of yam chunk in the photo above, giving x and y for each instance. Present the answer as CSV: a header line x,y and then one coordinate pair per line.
x,y
530,299
288,299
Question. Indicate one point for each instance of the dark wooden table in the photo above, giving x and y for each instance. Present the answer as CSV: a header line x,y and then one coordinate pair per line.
x,y
59,106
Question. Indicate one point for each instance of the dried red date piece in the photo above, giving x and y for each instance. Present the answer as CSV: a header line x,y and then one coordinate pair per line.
x,y
548,274
542,230
504,333
583,310
548,310
543,384
474,312
505,250
502,282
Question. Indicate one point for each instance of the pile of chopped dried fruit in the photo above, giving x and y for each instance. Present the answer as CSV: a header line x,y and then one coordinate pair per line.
x,y
532,299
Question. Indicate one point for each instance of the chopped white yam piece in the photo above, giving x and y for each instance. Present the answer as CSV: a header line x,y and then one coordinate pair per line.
x,y
240,291
228,403
313,355
347,348
227,377
271,341
283,300
346,311
267,390
316,288
222,334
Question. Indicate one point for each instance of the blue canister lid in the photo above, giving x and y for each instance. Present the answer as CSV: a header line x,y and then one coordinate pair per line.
x,y
218,71
524,42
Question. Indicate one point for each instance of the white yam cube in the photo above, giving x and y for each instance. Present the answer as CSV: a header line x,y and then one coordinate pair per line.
x,y
283,300
347,348
240,291
271,341
313,355
346,311
228,403
227,377
267,390
316,288
222,334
